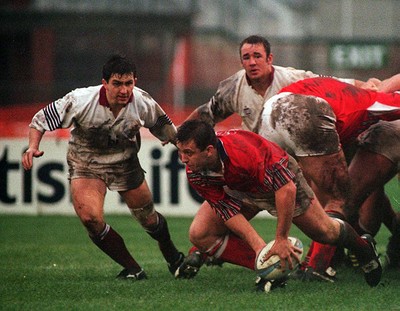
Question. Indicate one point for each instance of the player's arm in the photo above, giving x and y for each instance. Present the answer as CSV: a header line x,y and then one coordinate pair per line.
x,y
56,115
240,226
285,203
285,198
218,108
371,84
278,177
157,121
390,85
202,113
228,209
35,137
164,130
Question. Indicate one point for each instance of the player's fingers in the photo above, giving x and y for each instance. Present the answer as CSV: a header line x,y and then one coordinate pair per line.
x,y
297,253
27,160
267,255
290,262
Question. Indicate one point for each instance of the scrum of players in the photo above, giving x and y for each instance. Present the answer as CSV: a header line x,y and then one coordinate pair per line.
x,y
335,128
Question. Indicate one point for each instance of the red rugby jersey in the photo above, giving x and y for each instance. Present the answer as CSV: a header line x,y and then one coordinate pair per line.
x,y
250,164
356,109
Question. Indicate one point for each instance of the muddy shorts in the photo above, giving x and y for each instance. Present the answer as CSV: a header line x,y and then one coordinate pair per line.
x,y
302,125
383,138
254,203
118,177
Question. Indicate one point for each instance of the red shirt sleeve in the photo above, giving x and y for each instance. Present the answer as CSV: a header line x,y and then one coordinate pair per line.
x,y
211,189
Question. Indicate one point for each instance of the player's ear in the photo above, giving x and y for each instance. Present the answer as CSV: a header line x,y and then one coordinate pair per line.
x,y
210,148
104,82
270,57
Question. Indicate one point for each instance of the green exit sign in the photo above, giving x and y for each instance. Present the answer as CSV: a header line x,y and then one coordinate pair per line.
x,y
358,56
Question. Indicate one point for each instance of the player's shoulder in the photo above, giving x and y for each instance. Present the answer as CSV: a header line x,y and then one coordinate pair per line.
x,y
228,87
285,76
234,133
139,91
239,139
140,94
234,79
279,70
82,91
83,95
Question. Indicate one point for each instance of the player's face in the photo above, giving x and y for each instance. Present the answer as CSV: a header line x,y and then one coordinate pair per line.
x,y
255,61
119,88
196,159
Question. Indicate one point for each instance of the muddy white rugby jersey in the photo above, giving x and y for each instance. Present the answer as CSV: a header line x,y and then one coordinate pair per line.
x,y
97,137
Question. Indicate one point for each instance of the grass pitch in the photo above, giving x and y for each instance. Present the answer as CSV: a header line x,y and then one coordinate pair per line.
x,y
49,263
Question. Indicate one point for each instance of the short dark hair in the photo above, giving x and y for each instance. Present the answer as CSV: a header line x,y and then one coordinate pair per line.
x,y
256,39
201,132
117,64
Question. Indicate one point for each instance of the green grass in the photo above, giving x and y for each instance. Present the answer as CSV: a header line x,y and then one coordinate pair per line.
x,y
49,263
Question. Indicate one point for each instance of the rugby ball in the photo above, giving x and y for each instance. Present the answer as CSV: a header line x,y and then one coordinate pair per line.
x,y
270,269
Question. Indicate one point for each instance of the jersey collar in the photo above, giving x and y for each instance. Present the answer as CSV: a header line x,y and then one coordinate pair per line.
x,y
221,150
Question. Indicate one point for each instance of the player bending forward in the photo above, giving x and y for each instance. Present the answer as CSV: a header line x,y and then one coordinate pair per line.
x,y
315,120
240,174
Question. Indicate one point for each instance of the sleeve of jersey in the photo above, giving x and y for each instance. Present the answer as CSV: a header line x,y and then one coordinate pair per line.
x,y
278,175
224,205
226,208
221,105
54,116
163,129
157,121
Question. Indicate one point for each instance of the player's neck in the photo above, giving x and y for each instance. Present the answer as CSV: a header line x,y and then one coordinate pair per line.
x,y
217,165
261,85
116,109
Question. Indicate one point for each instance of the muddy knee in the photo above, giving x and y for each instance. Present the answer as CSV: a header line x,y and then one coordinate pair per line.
x,y
145,215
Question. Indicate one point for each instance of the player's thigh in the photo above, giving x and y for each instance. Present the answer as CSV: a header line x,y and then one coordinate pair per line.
x,y
88,199
316,224
206,223
369,171
138,197
328,172
378,156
